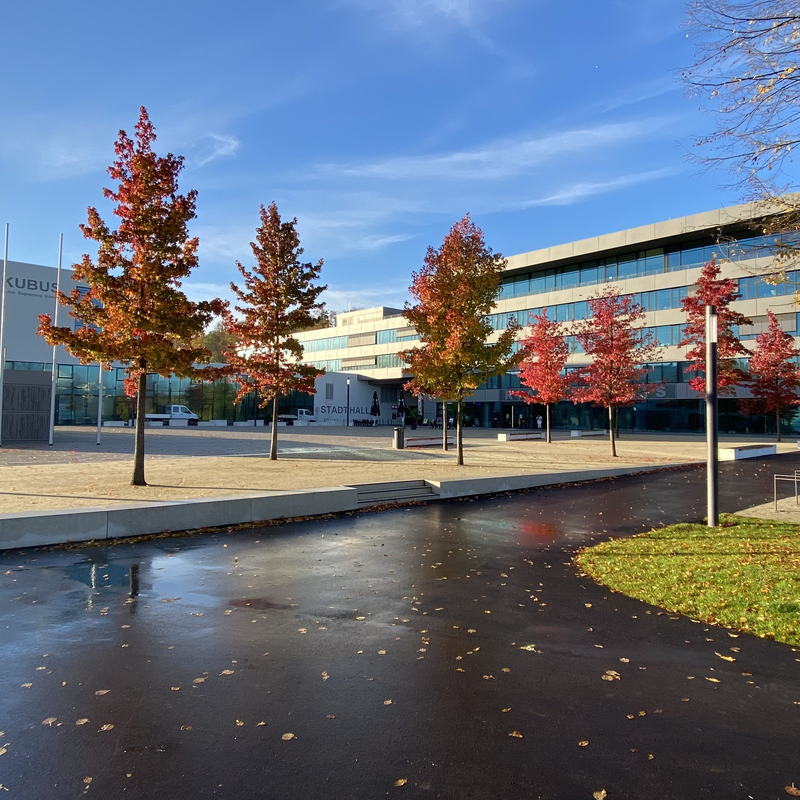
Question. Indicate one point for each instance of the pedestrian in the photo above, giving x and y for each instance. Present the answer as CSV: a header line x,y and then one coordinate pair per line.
x,y
539,421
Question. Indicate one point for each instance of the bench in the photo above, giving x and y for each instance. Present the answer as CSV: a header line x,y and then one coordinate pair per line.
x,y
588,433
747,451
428,441
513,436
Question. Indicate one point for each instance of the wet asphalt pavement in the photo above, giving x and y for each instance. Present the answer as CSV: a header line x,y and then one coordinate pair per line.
x,y
442,651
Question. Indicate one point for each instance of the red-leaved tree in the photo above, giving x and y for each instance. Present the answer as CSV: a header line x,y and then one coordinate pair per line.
x,y
454,293
279,299
619,349
712,290
545,354
774,377
135,313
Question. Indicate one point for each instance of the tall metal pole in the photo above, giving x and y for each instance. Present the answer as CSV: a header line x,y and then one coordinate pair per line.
x,y
712,434
54,377
2,331
348,402
99,401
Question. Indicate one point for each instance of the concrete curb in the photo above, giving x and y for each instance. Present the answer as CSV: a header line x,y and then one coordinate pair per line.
x,y
140,519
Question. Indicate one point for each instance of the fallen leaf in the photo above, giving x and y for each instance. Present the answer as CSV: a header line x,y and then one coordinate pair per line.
x,y
87,780
81,721
506,669
601,795
101,692
186,727
387,702
226,672
239,723
724,658
792,790
401,782
106,727
515,734
287,736
531,648
330,716
624,661
325,676
26,685
381,652
302,630
198,680
3,751
260,724
584,743
712,680
49,720
506,710
175,688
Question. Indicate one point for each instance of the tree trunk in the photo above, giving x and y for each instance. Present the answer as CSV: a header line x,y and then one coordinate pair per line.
x,y
611,431
273,439
138,447
444,425
547,414
459,439
777,423
616,422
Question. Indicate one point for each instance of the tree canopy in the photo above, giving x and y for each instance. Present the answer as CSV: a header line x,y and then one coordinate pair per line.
x,y
455,292
613,337
714,290
134,311
279,299
544,356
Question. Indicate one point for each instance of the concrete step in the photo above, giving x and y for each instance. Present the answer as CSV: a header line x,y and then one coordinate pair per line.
x,y
377,487
400,498
393,492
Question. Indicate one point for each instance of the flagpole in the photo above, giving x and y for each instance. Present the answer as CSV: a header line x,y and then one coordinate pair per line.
x,y
99,401
53,379
2,331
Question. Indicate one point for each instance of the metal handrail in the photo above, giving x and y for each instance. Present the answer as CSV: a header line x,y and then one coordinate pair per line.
x,y
776,478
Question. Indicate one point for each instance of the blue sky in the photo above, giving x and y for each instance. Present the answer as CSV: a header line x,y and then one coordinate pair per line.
x,y
376,123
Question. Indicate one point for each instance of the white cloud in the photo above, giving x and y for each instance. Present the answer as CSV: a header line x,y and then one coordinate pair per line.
x,y
575,192
213,146
501,159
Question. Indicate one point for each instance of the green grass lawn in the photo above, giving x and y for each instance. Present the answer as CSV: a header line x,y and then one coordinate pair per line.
x,y
744,574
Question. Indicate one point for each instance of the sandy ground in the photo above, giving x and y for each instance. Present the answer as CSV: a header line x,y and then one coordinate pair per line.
x,y
184,464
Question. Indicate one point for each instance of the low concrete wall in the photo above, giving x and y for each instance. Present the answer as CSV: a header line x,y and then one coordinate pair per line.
x,y
469,487
139,519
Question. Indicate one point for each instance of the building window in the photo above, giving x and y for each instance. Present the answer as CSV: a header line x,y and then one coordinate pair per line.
x,y
329,391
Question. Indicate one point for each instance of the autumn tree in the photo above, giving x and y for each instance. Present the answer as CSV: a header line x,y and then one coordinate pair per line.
x,y
454,293
774,377
747,56
713,290
544,355
278,300
746,74
620,350
217,340
134,312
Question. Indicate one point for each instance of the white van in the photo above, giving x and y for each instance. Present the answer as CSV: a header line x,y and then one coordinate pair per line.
x,y
175,413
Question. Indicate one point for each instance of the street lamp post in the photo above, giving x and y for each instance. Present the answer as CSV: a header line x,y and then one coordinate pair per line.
x,y
348,402
712,433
